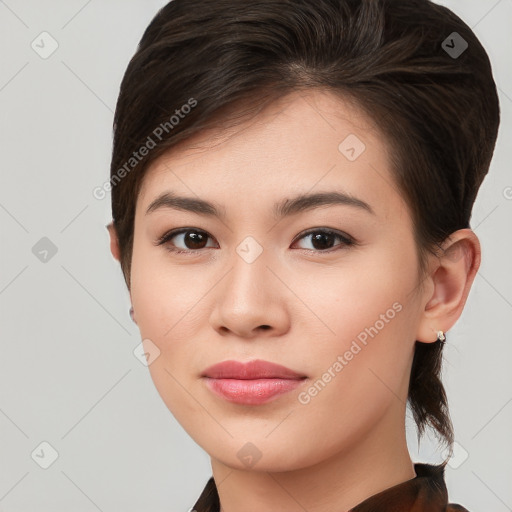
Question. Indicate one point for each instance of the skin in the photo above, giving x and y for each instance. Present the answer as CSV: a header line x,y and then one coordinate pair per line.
x,y
348,442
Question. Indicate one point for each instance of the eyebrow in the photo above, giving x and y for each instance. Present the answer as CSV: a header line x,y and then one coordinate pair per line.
x,y
285,208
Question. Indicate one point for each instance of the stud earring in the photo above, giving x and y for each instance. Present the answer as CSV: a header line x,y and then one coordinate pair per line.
x,y
441,336
132,315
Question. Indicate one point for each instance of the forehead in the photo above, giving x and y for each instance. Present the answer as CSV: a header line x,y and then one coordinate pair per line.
x,y
306,140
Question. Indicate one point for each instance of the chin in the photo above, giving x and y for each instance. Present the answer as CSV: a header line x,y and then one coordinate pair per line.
x,y
260,453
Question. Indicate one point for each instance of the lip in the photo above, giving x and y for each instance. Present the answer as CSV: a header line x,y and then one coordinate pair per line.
x,y
255,369
251,383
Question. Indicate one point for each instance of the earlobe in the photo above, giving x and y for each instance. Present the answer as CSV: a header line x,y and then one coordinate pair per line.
x,y
458,262
114,241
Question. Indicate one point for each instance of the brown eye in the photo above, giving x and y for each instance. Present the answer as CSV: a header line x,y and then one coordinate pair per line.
x,y
322,240
194,240
191,239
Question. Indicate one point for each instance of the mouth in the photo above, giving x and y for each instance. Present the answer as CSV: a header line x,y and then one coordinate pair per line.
x,y
253,383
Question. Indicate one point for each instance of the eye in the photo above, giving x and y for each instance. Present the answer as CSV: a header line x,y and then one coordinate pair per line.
x,y
322,240
194,240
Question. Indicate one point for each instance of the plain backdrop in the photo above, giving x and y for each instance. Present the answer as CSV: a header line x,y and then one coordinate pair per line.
x,y
73,396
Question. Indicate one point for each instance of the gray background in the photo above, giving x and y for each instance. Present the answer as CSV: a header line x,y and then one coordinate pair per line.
x,y
68,375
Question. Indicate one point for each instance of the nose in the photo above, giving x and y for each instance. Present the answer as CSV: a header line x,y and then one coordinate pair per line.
x,y
250,301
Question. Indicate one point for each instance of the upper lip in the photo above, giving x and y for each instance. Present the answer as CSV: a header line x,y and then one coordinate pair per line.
x,y
256,369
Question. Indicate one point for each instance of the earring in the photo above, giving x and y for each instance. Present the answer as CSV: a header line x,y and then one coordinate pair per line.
x,y
441,337
132,315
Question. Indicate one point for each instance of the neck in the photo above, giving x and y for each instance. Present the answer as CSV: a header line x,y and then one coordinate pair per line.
x,y
337,484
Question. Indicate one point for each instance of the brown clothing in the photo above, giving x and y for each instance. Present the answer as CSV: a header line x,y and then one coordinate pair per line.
x,y
426,492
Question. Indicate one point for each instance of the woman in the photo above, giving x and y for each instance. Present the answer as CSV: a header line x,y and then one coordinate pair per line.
x,y
292,184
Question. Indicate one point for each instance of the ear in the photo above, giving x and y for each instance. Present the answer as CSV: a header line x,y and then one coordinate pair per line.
x,y
452,277
114,241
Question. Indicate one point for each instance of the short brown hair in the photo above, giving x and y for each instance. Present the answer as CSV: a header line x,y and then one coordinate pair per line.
x,y
405,63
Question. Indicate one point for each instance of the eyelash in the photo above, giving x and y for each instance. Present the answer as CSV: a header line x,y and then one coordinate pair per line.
x,y
346,240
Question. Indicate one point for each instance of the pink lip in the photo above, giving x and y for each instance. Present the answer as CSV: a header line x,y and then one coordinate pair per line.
x,y
251,383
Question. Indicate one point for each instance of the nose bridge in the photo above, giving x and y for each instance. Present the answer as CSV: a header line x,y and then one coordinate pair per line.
x,y
249,295
248,280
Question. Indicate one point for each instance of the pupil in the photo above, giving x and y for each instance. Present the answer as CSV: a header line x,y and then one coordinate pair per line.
x,y
322,238
193,240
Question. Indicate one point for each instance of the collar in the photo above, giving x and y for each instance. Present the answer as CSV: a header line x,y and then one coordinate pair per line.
x,y
426,492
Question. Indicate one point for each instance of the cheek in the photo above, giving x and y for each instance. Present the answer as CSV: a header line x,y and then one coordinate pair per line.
x,y
169,312
166,298
365,336
163,304
371,293
361,371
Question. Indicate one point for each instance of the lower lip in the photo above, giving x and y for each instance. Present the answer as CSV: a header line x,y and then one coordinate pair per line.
x,y
251,392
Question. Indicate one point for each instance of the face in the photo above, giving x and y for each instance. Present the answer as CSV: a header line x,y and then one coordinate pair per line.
x,y
327,287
